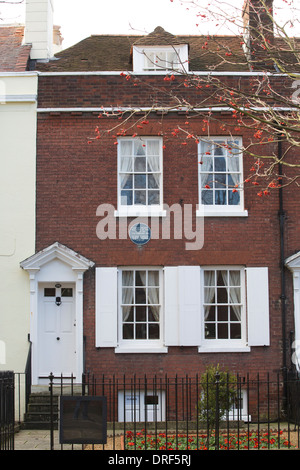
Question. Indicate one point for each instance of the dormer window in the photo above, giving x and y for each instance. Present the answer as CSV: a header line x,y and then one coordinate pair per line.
x,y
160,59
160,51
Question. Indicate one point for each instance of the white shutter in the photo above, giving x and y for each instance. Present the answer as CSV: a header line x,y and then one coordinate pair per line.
x,y
171,307
258,307
189,305
106,307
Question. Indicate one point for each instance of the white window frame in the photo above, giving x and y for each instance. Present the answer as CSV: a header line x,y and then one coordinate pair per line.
x,y
136,345
133,403
140,53
225,210
225,345
139,210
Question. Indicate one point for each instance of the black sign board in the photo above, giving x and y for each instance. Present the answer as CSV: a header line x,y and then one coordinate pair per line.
x,y
83,420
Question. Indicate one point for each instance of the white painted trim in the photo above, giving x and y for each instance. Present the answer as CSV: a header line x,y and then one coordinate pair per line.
x,y
293,264
37,267
229,349
18,74
139,212
112,72
18,98
214,109
218,213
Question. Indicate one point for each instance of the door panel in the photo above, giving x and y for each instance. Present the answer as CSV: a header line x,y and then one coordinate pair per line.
x,y
57,346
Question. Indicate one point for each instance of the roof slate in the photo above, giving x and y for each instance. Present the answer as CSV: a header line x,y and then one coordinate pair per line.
x,y
114,53
13,55
206,53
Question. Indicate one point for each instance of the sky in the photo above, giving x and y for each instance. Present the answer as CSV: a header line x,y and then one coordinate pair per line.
x,y
80,19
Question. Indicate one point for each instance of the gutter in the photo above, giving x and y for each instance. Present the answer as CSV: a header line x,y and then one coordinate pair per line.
x,y
281,215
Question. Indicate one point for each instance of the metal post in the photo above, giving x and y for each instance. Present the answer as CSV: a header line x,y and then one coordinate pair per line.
x,y
217,412
51,377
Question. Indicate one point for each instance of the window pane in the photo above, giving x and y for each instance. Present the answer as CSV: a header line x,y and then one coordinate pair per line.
x,y
139,147
235,331
222,313
127,314
219,147
128,331
140,278
235,313
153,147
207,180
153,164
49,292
209,295
220,198
140,197
140,164
234,198
153,314
220,164
222,297
126,147
126,181
127,295
153,295
140,296
154,331
153,182
207,197
126,198
67,292
153,197
126,164
140,181
210,313
140,314
153,278
210,331
222,330
220,180
127,278
149,60
209,278
141,331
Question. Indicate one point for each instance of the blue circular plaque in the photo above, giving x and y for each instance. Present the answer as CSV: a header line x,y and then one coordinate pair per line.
x,y
140,234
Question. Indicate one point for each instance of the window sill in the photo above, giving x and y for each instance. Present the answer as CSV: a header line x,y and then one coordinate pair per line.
x,y
212,212
141,350
223,349
140,212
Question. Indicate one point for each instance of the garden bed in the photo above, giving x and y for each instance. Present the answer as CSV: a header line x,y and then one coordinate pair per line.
x,y
269,440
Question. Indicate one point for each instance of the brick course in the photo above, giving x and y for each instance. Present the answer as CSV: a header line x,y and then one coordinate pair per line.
x,y
74,178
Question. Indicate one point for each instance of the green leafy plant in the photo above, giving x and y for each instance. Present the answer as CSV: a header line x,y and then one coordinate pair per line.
x,y
218,394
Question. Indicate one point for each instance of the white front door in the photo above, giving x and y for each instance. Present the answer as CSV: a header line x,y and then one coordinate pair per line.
x,y
57,322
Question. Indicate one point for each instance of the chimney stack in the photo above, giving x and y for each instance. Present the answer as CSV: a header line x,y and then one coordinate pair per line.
x,y
258,30
39,28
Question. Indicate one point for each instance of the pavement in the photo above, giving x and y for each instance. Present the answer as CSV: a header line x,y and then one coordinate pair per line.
x,y
40,440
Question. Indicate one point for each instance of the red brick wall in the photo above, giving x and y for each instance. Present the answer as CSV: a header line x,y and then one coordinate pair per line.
x,y
74,178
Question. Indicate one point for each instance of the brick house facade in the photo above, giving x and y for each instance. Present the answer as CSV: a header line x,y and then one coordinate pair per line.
x,y
212,294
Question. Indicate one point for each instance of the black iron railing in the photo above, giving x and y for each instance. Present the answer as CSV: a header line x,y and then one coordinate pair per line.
x,y
7,410
170,413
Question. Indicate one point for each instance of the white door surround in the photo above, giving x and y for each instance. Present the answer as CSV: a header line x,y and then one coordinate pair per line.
x,y
293,264
56,264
